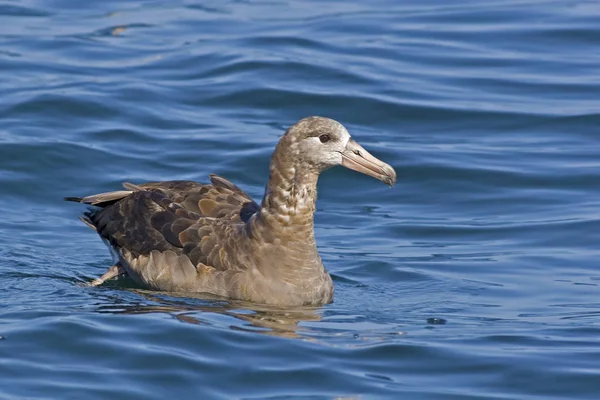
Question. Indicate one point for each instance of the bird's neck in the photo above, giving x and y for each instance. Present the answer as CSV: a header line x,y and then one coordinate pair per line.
x,y
288,206
282,232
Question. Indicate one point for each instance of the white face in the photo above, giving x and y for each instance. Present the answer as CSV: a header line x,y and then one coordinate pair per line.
x,y
316,143
325,149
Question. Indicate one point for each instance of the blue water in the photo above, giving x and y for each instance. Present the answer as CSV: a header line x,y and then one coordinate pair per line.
x,y
475,277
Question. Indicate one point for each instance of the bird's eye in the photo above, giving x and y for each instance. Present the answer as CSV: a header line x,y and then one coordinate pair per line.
x,y
324,138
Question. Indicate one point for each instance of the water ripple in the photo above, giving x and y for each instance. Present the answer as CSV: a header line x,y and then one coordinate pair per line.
x,y
487,111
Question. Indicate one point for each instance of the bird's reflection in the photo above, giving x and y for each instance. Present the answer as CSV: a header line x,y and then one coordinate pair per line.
x,y
269,320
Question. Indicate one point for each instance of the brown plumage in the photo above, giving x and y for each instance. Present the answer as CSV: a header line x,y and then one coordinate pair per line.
x,y
185,236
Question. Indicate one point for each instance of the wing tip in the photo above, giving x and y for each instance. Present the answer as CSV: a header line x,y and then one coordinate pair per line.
x,y
88,222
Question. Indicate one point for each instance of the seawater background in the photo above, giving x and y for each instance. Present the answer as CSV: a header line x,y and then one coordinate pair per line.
x,y
489,111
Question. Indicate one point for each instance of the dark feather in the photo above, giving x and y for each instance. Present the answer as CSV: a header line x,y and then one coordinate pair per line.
x,y
248,210
168,216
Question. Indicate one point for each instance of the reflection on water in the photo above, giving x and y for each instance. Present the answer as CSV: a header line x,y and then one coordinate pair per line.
x,y
188,307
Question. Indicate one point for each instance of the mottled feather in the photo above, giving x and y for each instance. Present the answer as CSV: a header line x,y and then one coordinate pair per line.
x,y
172,215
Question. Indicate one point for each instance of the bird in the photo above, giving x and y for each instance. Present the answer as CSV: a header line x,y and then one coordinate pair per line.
x,y
184,236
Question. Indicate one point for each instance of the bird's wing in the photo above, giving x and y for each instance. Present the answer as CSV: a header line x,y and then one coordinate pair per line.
x,y
191,223
220,199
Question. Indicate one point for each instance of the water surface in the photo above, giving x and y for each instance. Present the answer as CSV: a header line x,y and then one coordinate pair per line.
x,y
475,277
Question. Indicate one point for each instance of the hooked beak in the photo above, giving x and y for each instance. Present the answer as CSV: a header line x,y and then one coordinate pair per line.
x,y
357,158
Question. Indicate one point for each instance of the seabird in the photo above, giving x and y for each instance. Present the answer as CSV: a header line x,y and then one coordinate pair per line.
x,y
183,236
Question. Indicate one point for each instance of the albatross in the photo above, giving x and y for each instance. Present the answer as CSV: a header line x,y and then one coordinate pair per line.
x,y
183,236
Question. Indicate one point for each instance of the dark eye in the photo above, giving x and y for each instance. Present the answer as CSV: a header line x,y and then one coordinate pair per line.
x,y
324,138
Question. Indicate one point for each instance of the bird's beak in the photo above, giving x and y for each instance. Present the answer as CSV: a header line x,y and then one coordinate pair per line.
x,y
357,158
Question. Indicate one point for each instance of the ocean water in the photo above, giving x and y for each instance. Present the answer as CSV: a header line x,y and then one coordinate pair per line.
x,y
476,277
